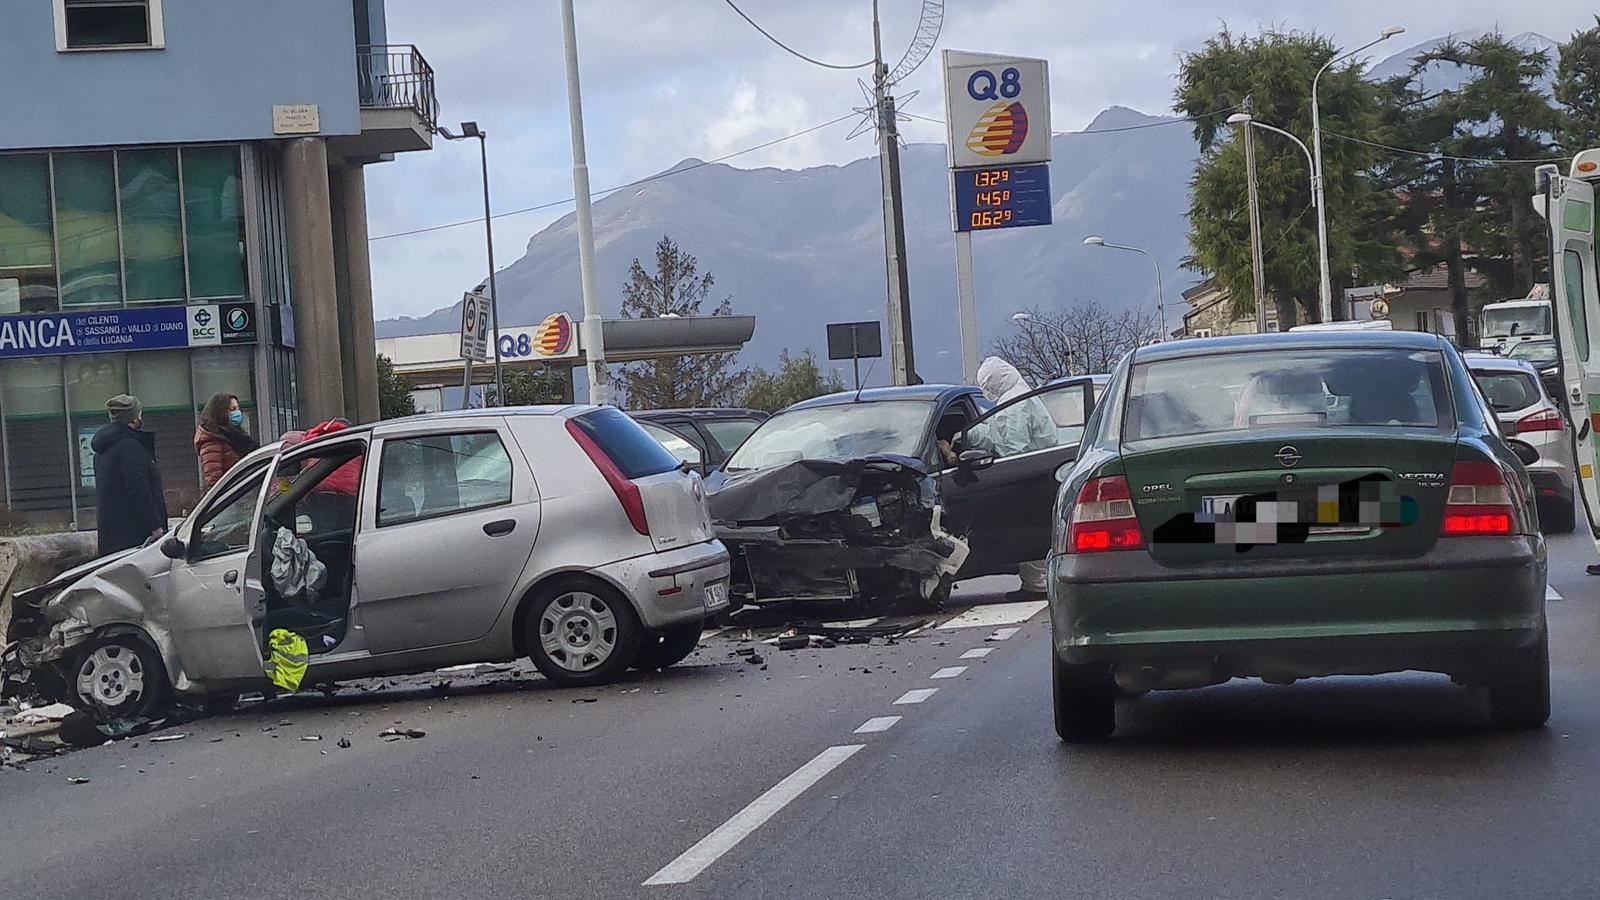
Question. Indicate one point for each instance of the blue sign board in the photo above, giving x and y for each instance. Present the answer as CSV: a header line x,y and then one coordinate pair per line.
x,y
1002,197
124,330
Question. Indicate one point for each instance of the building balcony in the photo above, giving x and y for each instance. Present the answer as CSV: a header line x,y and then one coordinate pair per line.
x,y
399,109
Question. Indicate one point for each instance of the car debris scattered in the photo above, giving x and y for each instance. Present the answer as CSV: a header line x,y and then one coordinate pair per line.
x,y
164,738
398,733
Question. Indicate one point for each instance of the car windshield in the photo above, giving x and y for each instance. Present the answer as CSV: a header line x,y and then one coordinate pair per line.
x,y
1511,321
1539,353
837,432
1507,391
1319,388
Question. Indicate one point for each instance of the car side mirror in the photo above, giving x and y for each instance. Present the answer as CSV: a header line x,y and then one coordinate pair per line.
x,y
1524,452
976,459
174,548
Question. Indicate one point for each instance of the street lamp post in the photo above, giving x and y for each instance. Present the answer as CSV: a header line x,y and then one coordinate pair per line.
x,y
1326,283
471,130
1249,121
1161,297
594,345
1025,320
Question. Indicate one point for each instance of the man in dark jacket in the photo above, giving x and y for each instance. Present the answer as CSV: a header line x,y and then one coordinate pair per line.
x,y
127,487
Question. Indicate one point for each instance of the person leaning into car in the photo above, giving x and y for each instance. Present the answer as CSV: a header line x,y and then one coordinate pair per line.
x,y
127,487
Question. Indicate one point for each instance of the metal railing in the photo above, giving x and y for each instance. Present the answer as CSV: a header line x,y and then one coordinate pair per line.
x,y
395,76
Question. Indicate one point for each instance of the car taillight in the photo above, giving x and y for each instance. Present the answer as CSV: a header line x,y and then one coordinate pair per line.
x,y
1549,420
1479,501
627,492
1103,519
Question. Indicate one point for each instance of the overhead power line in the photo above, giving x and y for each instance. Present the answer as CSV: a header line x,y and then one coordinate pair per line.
x,y
1432,155
656,177
768,35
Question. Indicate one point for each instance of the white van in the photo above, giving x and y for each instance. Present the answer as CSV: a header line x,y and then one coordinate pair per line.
x,y
1512,322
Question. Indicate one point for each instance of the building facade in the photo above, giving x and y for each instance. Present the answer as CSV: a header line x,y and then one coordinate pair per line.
x,y
182,212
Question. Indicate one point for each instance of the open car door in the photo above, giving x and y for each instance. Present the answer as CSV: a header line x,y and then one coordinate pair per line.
x,y
1002,493
1568,205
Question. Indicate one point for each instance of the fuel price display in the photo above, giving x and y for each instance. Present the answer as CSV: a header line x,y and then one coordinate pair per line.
x,y
1002,197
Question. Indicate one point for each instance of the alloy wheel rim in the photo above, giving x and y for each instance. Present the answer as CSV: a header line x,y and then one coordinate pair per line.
x,y
578,631
111,677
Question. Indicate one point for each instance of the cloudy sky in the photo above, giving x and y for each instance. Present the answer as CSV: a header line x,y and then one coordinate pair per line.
x,y
664,80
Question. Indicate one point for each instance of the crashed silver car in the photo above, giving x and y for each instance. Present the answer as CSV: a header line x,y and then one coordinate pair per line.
x,y
890,494
564,534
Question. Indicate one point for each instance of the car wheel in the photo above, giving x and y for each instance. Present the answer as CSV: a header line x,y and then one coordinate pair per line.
x,y
670,647
1558,518
1519,689
580,633
120,678
1085,701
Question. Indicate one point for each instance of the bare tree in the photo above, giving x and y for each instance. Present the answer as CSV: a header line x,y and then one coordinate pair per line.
x,y
1080,339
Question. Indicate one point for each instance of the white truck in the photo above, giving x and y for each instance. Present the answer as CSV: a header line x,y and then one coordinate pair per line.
x,y
1510,322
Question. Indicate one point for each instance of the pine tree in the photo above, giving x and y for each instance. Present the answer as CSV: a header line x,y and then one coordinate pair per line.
x,y
676,288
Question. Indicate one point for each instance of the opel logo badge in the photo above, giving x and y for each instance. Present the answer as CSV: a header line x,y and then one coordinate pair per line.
x,y
1288,456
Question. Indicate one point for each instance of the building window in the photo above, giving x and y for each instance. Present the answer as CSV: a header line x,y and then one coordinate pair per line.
x,y
152,225
108,24
213,208
27,242
86,229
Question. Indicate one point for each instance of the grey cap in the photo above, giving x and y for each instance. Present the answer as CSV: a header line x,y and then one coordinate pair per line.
x,y
124,409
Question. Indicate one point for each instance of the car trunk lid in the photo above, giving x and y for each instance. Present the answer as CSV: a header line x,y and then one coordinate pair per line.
x,y
675,506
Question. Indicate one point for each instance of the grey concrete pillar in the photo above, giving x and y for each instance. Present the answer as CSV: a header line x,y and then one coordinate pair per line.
x,y
309,222
357,333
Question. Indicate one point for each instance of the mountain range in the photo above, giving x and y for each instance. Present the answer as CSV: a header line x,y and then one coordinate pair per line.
x,y
801,248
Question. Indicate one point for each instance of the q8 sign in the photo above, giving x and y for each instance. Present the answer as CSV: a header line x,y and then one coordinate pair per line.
x,y
998,109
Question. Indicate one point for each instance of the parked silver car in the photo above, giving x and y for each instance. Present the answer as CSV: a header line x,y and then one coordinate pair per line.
x,y
565,534
1517,395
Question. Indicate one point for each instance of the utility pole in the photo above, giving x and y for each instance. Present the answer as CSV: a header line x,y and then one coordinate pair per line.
x,y
594,343
1257,264
901,356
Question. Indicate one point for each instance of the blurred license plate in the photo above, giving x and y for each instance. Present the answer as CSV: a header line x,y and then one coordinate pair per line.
x,y
1219,505
716,594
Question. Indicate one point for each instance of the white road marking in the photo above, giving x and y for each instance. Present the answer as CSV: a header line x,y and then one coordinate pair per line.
x,y
949,672
916,696
710,633
854,623
726,836
1001,634
877,724
992,614
977,653
1550,593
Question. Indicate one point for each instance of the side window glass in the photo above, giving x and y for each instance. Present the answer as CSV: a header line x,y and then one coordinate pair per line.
x,y
225,528
441,474
1030,423
675,443
1572,273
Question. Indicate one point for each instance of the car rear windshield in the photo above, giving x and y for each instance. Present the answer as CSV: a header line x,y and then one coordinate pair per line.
x,y
1539,353
1287,389
730,433
632,448
1507,391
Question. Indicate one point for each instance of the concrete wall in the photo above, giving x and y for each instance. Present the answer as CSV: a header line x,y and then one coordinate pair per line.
x,y
225,65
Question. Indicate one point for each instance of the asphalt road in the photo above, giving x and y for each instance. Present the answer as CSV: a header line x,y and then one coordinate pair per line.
x,y
727,779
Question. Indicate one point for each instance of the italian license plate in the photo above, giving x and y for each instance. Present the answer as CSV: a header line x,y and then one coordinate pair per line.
x,y
716,595
1219,506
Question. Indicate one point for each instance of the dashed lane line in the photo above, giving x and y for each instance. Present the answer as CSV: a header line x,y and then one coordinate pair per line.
x,y
948,672
915,696
726,836
1001,634
877,725
977,653
1550,593
992,614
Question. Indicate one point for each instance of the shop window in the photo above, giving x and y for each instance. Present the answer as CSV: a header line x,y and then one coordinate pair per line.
x,y
86,229
214,222
108,24
160,379
152,228
27,249
39,468
91,381
227,369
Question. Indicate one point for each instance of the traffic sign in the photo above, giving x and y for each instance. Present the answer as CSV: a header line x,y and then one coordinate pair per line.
x,y
476,314
1001,197
997,109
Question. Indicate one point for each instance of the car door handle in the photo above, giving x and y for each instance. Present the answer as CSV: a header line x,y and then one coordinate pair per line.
x,y
231,577
500,528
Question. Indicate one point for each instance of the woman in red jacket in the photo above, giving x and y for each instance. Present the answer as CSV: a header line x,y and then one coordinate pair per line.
x,y
221,440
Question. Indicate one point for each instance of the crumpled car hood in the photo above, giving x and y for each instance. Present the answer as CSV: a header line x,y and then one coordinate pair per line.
x,y
806,487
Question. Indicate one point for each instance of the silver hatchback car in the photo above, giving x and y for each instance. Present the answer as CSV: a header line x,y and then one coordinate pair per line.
x,y
1517,395
564,534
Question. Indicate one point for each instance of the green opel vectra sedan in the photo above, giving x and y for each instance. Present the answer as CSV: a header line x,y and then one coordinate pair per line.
x,y
1292,506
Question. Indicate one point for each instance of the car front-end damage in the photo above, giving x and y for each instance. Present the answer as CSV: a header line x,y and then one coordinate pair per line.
x,y
51,622
868,530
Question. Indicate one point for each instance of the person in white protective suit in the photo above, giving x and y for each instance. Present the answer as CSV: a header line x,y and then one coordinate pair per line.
x,y
1023,428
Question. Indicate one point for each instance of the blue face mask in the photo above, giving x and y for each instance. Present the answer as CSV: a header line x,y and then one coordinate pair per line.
x,y
236,418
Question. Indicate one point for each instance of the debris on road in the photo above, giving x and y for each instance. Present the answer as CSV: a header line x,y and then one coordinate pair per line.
x,y
794,642
311,737
344,743
73,779
164,738
402,733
